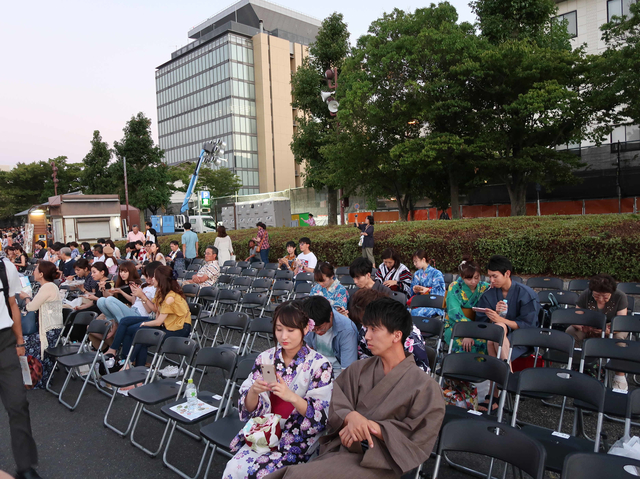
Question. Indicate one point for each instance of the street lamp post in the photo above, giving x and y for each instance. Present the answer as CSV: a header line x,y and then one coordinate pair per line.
x,y
126,192
331,76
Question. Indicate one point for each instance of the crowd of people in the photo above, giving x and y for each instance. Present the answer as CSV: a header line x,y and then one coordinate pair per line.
x,y
341,355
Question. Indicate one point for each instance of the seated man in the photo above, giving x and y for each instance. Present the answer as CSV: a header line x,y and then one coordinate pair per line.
x,y
210,271
67,263
372,430
360,271
306,260
334,335
518,303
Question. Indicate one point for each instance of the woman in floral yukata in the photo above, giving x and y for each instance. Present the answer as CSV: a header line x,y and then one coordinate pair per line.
x,y
301,396
426,280
327,285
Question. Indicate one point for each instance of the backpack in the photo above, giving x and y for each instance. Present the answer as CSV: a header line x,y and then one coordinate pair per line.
x,y
5,284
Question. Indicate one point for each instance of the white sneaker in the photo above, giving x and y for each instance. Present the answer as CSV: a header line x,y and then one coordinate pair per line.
x,y
110,362
171,372
620,382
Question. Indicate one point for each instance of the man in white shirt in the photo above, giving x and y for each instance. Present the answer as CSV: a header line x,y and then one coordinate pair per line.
x,y
306,261
12,391
98,256
151,234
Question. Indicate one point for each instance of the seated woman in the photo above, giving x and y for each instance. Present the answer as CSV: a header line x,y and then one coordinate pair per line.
x,y
427,280
464,294
154,253
117,302
602,295
173,316
288,260
21,259
48,304
96,288
109,260
414,343
327,285
86,251
304,412
176,257
143,306
393,274
116,251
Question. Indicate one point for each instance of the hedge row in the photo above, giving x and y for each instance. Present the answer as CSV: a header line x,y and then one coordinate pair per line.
x,y
567,246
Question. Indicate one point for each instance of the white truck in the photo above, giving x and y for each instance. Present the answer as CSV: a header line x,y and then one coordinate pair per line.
x,y
199,224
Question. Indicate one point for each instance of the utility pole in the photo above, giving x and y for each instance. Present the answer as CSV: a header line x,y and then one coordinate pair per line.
x,y
126,193
54,168
618,180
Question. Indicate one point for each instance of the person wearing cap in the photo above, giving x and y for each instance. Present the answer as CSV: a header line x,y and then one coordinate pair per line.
x,y
109,261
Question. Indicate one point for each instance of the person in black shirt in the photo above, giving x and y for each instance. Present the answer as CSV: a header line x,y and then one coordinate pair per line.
x,y
67,264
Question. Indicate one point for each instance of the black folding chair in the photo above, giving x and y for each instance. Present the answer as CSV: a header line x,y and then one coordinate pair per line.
x,y
305,277
224,280
250,272
569,317
243,264
258,265
258,326
342,271
194,267
629,288
261,285
254,302
228,299
427,301
578,285
564,298
399,297
545,283
285,274
199,261
448,279
231,322
234,271
130,376
159,391
267,273
497,441
241,283
188,275
348,282
229,264
431,328
272,266
85,357
583,465
216,358
517,279
302,290
475,330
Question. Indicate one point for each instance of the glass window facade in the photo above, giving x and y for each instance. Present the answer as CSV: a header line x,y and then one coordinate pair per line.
x,y
572,22
207,94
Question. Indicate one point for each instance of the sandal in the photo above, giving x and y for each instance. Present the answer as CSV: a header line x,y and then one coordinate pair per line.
x,y
485,405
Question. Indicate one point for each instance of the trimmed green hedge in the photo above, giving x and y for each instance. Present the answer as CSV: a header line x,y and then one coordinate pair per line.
x,y
567,246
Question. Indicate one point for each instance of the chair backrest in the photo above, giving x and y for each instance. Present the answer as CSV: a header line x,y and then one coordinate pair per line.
x,y
563,382
630,305
229,263
243,369
194,267
261,325
582,465
84,318
429,327
208,294
431,356
149,337
217,357
234,271
347,282
99,326
261,285
400,297
563,297
224,279
610,348
625,324
545,283
195,309
234,320
267,273
282,285
191,290
241,281
517,279
506,444
243,264
585,317
255,298
475,365
342,271
543,338
578,285
448,278
284,274
229,295
475,330
199,261
303,288
180,346
181,274
427,301
273,266
257,265
250,272
629,288
304,277
189,275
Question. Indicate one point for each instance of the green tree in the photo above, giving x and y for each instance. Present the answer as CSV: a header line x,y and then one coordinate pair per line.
x,y
96,176
148,177
316,128
219,182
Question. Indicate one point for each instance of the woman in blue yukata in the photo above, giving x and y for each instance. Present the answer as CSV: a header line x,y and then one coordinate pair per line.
x,y
427,280
301,396
327,285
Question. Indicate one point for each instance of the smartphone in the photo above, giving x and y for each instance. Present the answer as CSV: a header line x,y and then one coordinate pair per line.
x,y
479,310
269,373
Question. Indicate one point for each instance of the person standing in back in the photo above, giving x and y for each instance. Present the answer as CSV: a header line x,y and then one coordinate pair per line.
x,y
366,231
224,245
262,242
189,244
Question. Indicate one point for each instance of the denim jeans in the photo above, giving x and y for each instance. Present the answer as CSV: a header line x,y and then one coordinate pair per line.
x,y
139,356
127,329
264,255
113,308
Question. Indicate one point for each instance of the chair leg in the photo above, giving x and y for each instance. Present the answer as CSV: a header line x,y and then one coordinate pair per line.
x,y
112,427
48,385
84,385
175,469
140,446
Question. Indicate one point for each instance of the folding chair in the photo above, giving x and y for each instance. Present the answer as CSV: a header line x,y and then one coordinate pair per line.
x,y
342,271
130,376
267,273
564,298
308,277
568,317
448,279
156,392
217,358
241,283
234,271
191,291
231,322
284,274
188,275
194,267
517,279
302,290
224,280
257,265
228,299
431,328
584,465
400,297
348,282
220,433
427,301
261,285
196,310
629,288
578,285
545,283
272,266
258,326
82,318
199,261
243,264
229,264
497,441
84,357
252,302
250,272
566,383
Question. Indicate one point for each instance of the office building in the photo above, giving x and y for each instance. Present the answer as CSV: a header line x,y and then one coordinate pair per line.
x,y
233,82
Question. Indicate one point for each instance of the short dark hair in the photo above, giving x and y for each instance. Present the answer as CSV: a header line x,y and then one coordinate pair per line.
x,y
149,224
174,242
360,267
101,240
48,270
391,314
212,248
323,268
98,248
317,308
499,263
292,244
261,225
74,244
41,243
603,283
148,243
86,246
149,270
134,226
291,315
305,240
57,246
310,215
390,253
82,264
139,242
187,226
359,301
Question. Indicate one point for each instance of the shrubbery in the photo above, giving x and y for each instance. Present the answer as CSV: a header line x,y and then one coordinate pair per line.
x,y
567,246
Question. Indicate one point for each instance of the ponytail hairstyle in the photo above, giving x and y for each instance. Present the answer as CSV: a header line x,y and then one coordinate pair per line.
x,y
422,254
468,268
166,283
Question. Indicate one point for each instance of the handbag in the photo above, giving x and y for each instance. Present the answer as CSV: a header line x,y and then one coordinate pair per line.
x,y
361,242
262,433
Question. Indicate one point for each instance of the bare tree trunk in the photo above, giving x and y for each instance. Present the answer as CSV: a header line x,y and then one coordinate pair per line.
x,y
412,211
332,206
455,197
403,210
518,197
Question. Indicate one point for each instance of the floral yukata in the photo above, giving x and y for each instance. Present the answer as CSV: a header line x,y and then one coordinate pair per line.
x,y
336,294
429,278
460,300
310,376
414,344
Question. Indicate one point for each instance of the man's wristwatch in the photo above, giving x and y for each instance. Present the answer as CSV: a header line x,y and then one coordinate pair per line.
x,y
21,345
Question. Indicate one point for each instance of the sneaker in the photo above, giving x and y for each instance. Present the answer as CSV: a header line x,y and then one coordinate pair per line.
x,y
171,372
620,382
110,361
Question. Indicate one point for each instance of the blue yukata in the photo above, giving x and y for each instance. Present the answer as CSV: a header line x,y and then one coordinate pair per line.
x,y
429,278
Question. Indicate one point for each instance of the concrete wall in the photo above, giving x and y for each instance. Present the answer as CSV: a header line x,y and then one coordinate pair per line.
x,y
591,15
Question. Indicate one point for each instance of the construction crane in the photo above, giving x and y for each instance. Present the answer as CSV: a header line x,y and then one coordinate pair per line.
x,y
212,151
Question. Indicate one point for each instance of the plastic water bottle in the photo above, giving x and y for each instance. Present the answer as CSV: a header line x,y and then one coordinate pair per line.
x,y
503,314
191,393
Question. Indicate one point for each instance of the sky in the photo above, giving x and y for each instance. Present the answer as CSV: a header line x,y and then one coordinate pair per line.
x,y
72,67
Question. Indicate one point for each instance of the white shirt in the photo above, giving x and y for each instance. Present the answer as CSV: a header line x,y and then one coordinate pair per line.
x,y
99,260
15,286
150,236
150,293
308,260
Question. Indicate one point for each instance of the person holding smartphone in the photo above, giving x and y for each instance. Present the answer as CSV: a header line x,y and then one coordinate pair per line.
x,y
291,380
